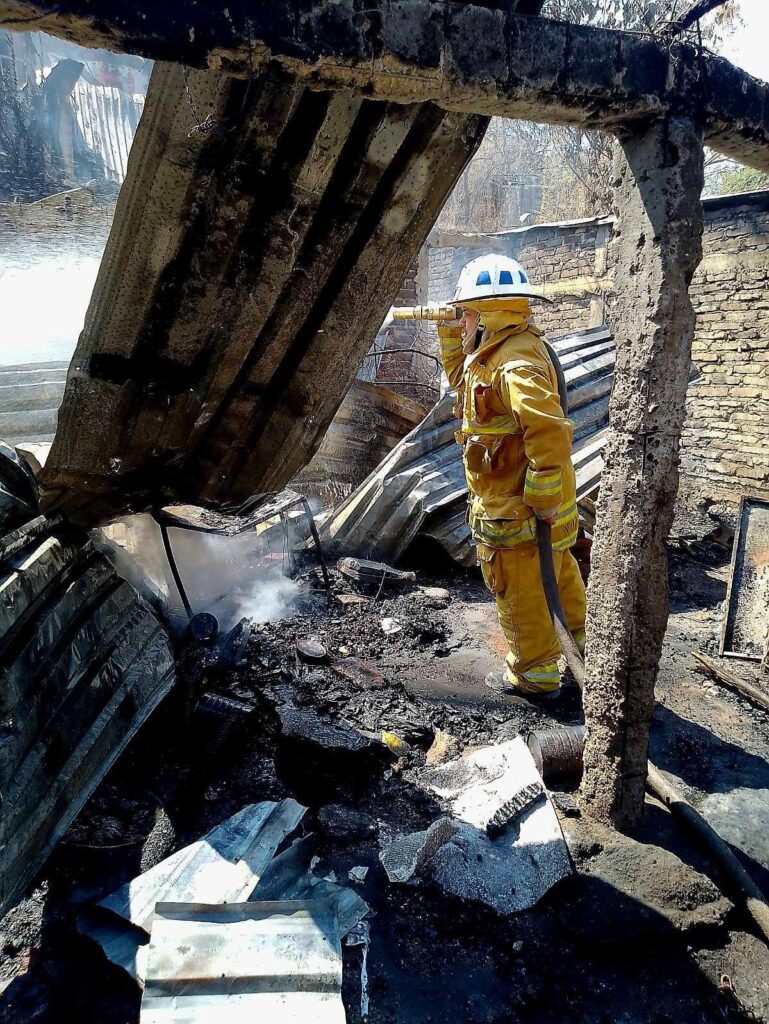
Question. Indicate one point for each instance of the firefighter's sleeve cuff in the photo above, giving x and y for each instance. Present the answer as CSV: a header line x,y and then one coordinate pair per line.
x,y
543,487
450,335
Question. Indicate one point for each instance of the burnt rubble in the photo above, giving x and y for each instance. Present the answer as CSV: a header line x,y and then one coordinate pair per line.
x,y
429,946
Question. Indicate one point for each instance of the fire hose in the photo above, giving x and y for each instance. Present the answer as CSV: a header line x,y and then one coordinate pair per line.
x,y
740,881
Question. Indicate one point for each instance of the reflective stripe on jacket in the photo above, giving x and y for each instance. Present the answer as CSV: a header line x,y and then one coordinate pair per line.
x,y
516,440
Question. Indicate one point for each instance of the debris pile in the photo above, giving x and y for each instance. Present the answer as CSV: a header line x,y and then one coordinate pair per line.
x,y
311,779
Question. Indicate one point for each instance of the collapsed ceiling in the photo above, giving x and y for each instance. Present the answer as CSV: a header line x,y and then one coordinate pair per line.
x,y
258,241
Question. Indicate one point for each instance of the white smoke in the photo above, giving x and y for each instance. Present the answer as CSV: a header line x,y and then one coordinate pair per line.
x,y
232,577
270,597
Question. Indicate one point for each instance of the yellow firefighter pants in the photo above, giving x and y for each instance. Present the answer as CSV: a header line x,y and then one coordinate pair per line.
x,y
513,577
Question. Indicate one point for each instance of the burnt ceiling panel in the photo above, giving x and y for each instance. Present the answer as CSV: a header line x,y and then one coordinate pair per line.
x,y
261,234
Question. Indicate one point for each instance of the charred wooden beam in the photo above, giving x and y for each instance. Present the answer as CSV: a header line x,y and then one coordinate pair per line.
x,y
463,57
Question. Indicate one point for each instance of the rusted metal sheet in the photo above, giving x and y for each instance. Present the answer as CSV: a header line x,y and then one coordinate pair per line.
x,y
275,962
83,662
746,624
370,422
420,487
252,258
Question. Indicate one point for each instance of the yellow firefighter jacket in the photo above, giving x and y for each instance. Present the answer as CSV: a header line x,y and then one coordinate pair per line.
x,y
516,440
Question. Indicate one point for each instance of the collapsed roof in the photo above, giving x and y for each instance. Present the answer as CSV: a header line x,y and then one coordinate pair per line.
x,y
258,242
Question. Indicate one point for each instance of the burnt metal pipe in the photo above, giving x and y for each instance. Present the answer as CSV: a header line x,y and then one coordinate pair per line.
x,y
558,752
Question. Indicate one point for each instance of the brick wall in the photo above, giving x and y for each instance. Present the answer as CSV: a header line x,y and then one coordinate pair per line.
x,y
725,445
725,449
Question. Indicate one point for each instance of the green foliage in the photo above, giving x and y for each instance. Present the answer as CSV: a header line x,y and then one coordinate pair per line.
x,y
743,179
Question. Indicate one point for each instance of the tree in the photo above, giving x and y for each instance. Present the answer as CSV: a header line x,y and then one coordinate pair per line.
x,y
525,171
743,179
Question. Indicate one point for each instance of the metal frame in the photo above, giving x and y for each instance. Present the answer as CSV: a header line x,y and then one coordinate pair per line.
x,y
224,525
731,592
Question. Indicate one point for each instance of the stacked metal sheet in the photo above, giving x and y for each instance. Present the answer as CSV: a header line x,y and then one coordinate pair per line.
x,y
222,867
419,488
224,928
370,422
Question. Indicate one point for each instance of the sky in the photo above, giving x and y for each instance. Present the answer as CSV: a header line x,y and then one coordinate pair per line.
x,y
748,47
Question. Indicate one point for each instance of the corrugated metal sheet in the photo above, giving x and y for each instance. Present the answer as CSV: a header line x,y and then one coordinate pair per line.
x,y
271,962
370,422
420,486
247,270
83,662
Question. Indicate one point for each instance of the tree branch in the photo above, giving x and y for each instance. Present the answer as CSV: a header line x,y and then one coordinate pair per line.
x,y
693,14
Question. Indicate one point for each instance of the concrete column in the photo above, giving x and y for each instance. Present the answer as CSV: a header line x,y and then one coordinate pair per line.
x,y
655,250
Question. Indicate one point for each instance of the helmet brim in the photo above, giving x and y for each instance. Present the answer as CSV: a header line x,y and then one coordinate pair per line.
x,y
499,295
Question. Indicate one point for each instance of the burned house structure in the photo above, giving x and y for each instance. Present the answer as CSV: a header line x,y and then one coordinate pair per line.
x,y
288,166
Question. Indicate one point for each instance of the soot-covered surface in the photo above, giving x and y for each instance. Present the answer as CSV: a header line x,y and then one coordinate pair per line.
x,y
596,949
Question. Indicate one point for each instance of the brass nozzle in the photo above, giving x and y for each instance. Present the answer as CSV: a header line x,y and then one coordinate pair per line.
x,y
443,312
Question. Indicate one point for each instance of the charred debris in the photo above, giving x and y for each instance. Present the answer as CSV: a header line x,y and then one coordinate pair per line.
x,y
339,772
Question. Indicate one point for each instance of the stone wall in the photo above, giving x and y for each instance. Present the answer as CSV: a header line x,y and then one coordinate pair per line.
x,y
725,444
567,261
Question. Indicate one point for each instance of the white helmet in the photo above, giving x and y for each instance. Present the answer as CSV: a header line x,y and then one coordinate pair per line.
x,y
492,276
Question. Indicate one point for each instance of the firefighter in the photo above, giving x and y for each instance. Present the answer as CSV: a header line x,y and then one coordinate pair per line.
x,y
517,455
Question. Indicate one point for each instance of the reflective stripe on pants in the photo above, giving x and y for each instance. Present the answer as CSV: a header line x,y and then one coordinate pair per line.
x,y
513,577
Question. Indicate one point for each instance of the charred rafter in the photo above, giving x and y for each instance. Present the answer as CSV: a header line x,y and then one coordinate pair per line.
x,y
464,57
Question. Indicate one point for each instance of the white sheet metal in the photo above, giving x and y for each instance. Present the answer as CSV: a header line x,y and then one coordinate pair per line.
x,y
244,963
224,866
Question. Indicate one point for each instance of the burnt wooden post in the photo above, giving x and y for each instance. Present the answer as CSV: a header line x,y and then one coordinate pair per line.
x,y
656,249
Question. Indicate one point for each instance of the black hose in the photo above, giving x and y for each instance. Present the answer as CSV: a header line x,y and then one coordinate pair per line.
x,y
175,569
563,393
553,598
